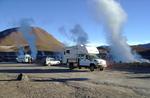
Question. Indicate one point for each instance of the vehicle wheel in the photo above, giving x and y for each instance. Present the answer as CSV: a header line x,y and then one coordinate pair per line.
x,y
44,63
49,64
101,68
91,67
79,67
71,66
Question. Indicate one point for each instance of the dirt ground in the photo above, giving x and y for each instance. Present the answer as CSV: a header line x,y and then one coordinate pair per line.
x,y
59,82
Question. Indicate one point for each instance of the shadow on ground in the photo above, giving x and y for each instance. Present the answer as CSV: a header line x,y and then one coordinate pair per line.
x,y
23,70
50,80
8,80
20,65
60,80
140,77
13,64
132,68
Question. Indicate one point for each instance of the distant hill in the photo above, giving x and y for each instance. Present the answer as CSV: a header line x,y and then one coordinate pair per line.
x,y
141,47
10,39
143,50
145,45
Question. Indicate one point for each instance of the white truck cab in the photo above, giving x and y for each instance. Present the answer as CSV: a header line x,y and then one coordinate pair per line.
x,y
83,56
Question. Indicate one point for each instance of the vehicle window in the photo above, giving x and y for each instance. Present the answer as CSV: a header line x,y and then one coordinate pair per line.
x,y
81,56
68,51
87,57
64,53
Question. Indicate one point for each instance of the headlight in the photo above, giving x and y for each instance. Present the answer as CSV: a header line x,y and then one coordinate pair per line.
x,y
97,62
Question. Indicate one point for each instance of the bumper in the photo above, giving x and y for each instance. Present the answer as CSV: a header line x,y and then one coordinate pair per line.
x,y
102,65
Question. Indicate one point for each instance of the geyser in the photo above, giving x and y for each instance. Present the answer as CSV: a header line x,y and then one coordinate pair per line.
x,y
111,15
26,30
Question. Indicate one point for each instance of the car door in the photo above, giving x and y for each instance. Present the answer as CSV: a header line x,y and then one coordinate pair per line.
x,y
84,61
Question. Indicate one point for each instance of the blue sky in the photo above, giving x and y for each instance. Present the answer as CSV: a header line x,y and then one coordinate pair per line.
x,y
53,14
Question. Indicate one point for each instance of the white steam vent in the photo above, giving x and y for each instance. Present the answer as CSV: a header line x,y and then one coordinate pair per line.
x,y
113,17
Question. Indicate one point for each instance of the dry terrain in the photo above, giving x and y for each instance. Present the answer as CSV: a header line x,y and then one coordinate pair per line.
x,y
59,82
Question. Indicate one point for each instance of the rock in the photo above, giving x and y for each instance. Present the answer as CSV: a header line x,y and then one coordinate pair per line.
x,y
22,77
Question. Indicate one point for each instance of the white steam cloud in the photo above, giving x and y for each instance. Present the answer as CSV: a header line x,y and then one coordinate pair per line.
x,y
26,30
113,17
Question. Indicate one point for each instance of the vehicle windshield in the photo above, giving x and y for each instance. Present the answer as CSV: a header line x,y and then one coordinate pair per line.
x,y
52,59
94,56
49,58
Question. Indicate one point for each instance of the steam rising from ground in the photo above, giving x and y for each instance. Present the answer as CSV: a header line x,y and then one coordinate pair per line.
x,y
113,18
26,30
76,34
20,51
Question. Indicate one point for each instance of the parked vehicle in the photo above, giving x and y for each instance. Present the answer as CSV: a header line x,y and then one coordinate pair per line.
x,y
51,61
24,58
83,56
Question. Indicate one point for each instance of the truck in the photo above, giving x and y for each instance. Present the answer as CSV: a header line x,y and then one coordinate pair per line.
x,y
24,58
83,56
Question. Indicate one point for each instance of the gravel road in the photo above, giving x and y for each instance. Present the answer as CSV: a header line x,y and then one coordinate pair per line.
x,y
59,82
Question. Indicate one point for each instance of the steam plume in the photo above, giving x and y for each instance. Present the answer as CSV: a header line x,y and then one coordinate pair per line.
x,y
113,17
76,34
26,30
20,51
79,35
